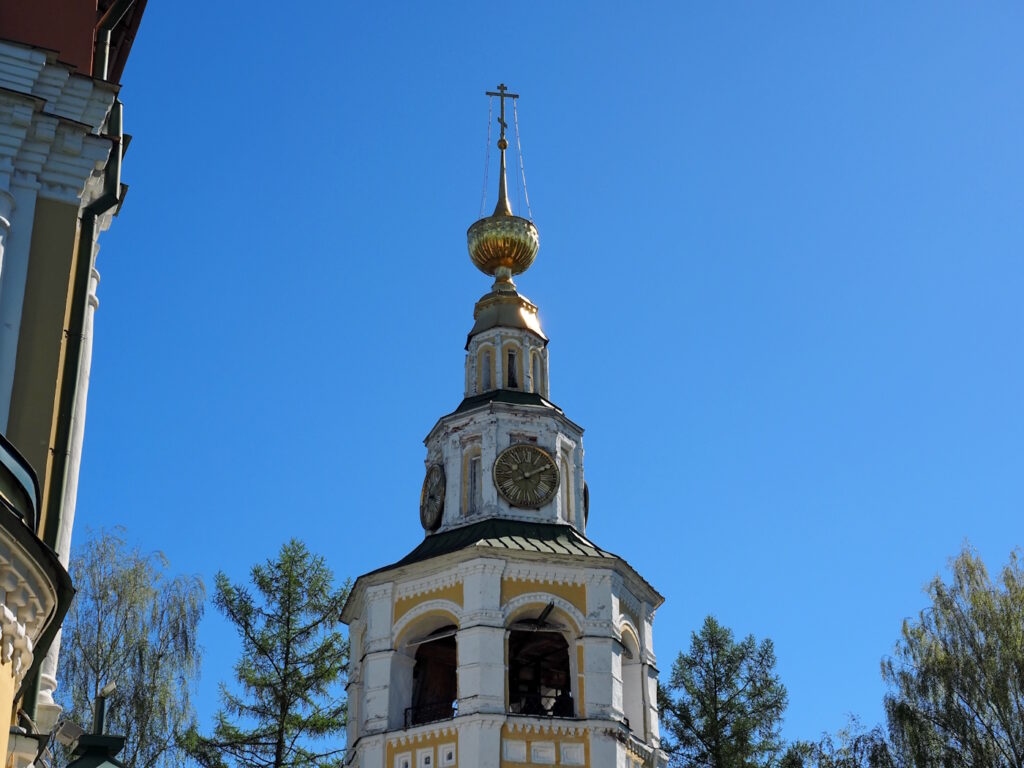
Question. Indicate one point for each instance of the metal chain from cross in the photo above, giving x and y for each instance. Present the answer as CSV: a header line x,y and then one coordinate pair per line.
x,y
502,93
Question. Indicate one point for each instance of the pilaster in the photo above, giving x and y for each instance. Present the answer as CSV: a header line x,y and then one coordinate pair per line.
x,y
480,743
377,660
481,639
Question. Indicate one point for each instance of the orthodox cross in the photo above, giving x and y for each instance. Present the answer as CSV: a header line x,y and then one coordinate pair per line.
x,y
502,93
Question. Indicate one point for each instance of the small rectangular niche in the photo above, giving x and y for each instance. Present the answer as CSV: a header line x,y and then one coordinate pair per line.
x,y
572,754
542,752
515,751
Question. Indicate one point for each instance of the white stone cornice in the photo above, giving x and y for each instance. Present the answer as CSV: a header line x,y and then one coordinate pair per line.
x,y
50,121
20,67
600,628
379,592
482,618
63,92
544,573
482,566
74,158
629,602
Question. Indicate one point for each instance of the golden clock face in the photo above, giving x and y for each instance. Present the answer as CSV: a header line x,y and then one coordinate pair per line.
x,y
432,498
526,476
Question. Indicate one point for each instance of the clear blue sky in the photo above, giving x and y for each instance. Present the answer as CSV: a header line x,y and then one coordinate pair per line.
x,y
780,267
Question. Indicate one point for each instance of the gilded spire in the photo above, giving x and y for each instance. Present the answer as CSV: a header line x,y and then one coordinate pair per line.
x,y
502,208
503,244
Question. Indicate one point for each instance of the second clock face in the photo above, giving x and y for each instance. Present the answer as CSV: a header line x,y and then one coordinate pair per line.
x,y
432,498
526,476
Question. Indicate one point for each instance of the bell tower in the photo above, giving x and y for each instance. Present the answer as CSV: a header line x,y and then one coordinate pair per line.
x,y
507,637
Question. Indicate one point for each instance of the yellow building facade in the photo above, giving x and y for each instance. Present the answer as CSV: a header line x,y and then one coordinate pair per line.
x,y
61,147
506,638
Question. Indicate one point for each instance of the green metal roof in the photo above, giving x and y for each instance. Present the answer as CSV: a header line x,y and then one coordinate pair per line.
x,y
498,533
511,396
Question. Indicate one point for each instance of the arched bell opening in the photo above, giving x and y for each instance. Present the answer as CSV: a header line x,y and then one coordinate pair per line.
x,y
540,668
424,660
632,683
435,689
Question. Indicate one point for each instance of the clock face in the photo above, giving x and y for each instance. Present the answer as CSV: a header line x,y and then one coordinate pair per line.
x,y
432,498
526,476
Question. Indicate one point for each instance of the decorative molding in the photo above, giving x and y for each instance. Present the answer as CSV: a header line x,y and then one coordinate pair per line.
x,y
513,750
533,598
572,754
421,733
379,592
632,605
414,613
427,584
599,576
542,752
545,727
545,574
623,624
602,628
15,644
27,600
62,92
485,617
482,566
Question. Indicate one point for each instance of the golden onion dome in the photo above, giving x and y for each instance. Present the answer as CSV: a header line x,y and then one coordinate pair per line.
x,y
503,240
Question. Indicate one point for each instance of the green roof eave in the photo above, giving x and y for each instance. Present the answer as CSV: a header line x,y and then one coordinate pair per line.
x,y
501,535
504,397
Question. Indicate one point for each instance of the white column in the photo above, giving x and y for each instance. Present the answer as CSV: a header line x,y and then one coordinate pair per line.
x,y
650,678
481,639
354,686
599,649
47,710
377,662
499,363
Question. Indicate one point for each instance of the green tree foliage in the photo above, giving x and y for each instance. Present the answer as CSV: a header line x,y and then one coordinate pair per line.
x,y
290,695
134,625
724,703
956,679
851,747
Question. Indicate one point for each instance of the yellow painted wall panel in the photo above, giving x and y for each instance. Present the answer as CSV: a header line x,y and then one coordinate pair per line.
x,y
41,338
433,741
576,594
452,593
549,736
6,703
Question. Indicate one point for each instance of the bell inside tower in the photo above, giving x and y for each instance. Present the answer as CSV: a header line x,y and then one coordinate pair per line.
x,y
435,679
539,676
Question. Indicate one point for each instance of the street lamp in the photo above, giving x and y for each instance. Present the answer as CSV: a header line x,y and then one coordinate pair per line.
x,y
97,749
